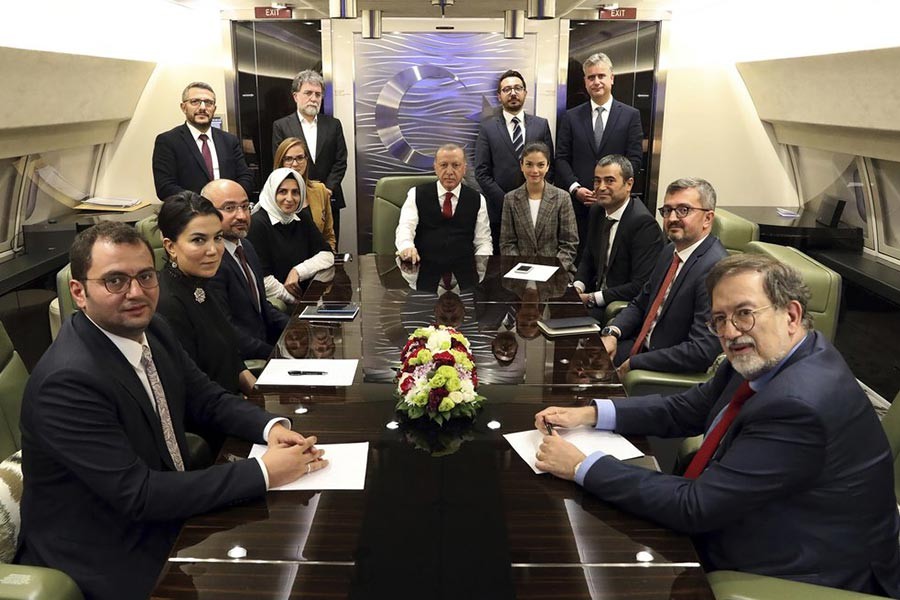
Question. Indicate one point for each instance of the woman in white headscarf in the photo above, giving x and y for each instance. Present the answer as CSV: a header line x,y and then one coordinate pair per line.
x,y
291,248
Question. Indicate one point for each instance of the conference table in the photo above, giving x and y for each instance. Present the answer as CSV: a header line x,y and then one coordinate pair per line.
x,y
448,512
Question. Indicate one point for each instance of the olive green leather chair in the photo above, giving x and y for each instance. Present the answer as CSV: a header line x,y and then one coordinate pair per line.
x,y
390,194
149,231
733,585
733,231
19,581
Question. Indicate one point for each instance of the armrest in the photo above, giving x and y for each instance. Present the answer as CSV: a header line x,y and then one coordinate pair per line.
x,y
734,585
640,382
612,309
22,582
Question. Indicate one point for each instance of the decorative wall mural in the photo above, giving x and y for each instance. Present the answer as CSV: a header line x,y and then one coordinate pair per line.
x,y
417,91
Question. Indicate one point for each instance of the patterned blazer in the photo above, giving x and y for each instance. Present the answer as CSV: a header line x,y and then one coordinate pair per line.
x,y
554,234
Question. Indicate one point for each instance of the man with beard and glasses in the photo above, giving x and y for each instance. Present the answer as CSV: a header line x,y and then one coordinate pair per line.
x,y
238,284
663,328
323,135
193,154
795,476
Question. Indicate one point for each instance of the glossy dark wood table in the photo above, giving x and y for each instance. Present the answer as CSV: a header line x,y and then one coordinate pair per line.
x,y
450,513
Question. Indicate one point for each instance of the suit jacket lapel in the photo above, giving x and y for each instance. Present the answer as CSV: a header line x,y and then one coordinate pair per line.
x,y
322,133
193,150
614,111
696,255
587,125
620,232
547,208
523,213
503,132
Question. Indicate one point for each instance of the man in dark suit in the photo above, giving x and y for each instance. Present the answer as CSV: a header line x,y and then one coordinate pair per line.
x,y
238,283
591,130
322,134
498,149
107,472
795,476
445,221
663,328
624,240
193,154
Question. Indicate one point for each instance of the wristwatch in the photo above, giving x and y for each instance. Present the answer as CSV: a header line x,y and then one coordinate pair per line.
x,y
592,302
613,331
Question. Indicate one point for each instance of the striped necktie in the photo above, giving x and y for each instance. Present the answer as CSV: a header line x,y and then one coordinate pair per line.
x,y
518,139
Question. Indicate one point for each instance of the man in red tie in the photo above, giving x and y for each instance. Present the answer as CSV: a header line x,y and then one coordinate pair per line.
x,y
795,476
663,328
446,221
191,155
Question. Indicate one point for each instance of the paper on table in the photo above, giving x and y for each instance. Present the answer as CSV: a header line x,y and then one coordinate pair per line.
x,y
526,443
346,468
535,273
338,372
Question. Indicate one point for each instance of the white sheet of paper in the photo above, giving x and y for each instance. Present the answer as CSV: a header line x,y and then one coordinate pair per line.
x,y
339,372
526,443
536,273
346,468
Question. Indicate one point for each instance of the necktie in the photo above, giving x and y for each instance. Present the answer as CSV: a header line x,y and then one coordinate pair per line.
x,y
207,155
518,139
708,448
162,408
656,307
447,210
251,281
598,128
604,251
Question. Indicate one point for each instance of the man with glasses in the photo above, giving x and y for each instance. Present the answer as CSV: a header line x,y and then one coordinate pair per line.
x,y
794,478
238,283
193,154
498,149
663,327
324,137
108,477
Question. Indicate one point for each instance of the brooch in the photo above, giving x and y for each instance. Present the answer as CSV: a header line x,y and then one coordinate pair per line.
x,y
199,295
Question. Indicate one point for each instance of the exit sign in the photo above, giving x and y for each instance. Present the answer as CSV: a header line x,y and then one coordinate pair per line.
x,y
267,12
618,13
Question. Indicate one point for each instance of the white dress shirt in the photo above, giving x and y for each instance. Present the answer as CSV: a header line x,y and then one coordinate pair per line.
x,y
311,133
212,147
132,351
409,219
508,116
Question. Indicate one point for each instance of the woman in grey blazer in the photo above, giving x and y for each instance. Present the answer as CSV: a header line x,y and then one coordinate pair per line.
x,y
538,219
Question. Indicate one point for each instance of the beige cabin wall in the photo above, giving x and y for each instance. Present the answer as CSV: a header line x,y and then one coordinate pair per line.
x,y
711,126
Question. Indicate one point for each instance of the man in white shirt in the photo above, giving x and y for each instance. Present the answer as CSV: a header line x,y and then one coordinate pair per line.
x,y
323,135
444,221
105,457
191,155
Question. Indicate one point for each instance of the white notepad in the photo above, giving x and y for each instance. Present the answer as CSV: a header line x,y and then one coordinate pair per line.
x,y
309,371
531,272
346,468
588,440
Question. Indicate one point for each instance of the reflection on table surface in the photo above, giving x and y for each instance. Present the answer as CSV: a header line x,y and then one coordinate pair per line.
x,y
447,512
497,315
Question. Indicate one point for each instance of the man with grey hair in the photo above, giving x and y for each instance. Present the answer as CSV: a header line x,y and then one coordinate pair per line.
x,y
193,154
323,135
601,126
794,478
664,327
445,221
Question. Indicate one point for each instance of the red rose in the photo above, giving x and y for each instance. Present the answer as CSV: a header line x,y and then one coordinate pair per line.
x,y
407,384
458,345
474,378
443,358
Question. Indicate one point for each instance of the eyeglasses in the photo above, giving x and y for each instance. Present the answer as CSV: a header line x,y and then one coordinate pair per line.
x,y
743,320
512,88
121,283
290,160
681,211
230,209
195,102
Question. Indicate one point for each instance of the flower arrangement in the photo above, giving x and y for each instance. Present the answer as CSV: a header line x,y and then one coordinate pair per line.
x,y
438,377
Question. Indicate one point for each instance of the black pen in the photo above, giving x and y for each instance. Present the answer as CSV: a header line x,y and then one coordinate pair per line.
x,y
307,373
548,425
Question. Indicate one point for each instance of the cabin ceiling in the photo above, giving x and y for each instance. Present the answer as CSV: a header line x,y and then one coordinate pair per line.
x,y
318,9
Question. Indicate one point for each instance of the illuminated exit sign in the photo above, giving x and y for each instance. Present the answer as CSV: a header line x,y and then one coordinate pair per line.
x,y
618,13
267,12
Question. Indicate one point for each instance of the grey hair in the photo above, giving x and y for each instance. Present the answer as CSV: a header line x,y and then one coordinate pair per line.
x,y
782,283
196,84
704,188
307,76
450,147
597,58
625,166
